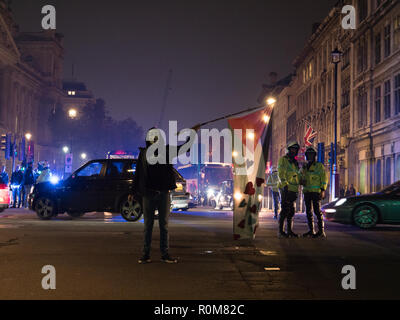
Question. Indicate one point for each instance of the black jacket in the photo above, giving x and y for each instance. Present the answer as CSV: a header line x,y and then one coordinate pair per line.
x,y
153,178
17,178
29,178
4,178
157,177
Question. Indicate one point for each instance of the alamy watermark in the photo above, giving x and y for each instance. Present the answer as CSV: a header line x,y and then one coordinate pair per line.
x,y
49,20
49,280
349,280
191,152
349,20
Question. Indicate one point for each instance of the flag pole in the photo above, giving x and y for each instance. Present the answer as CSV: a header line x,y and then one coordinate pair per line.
x,y
231,115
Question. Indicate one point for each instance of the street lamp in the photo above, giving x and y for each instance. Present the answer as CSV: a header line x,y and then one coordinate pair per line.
x,y
271,101
65,149
28,136
83,156
336,56
72,113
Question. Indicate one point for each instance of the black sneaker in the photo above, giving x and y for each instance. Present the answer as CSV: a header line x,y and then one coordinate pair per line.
x,y
291,234
168,259
309,234
319,235
282,235
144,259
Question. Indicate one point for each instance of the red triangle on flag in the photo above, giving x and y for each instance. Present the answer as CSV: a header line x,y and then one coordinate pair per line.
x,y
255,120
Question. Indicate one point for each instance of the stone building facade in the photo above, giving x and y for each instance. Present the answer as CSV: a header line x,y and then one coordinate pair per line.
x,y
32,86
368,94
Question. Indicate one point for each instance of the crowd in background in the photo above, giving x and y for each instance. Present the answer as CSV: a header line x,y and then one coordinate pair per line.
x,y
22,180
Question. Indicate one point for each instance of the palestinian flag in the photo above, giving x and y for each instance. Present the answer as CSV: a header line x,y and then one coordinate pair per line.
x,y
251,137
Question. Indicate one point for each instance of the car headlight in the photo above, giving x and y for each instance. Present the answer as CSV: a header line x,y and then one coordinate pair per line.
x,y
210,192
340,202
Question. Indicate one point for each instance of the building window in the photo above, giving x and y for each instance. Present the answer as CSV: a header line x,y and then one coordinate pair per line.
x,y
377,48
396,33
362,9
397,94
398,168
378,104
346,92
388,171
362,55
346,58
387,41
387,99
378,179
362,108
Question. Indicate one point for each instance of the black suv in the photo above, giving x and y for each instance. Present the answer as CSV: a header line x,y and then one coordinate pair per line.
x,y
99,185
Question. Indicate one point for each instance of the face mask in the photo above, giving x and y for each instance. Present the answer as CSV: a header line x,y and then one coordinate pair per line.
x,y
293,152
310,156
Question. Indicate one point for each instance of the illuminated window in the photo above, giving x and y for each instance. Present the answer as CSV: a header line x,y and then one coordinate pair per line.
x,y
71,93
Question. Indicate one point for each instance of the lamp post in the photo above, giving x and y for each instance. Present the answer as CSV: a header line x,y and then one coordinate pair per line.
x,y
336,56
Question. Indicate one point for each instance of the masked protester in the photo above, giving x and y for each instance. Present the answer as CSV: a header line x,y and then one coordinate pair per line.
x,y
313,178
154,179
289,175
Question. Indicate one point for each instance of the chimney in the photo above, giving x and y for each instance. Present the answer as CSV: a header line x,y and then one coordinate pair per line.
x,y
273,78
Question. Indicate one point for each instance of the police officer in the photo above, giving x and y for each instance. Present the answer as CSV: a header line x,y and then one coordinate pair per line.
x,y
289,175
313,178
272,182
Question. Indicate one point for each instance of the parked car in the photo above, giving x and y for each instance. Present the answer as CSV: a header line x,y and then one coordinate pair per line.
x,y
365,211
4,197
99,185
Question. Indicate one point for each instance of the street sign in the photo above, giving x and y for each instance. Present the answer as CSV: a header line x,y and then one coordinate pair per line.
x,y
68,159
68,163
68,169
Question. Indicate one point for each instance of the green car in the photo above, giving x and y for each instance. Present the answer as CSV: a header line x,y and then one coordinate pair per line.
x,y
365,211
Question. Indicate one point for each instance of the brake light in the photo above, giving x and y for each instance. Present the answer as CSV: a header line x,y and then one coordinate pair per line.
x,y
3,186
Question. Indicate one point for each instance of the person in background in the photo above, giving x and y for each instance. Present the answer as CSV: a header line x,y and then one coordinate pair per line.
x,y
351,191
289,176
16,182
341,191
29,181
313,178
4,176
45,175
272,182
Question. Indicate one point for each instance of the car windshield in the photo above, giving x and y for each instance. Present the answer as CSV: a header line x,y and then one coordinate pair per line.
x,y
390,189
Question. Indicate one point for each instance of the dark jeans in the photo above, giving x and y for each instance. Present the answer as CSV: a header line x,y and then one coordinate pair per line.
x,y
312,199
276,198
16,194
288,199
151,202
25,193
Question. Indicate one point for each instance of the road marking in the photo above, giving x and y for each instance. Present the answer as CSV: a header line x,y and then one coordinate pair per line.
x,y
272,269
268,253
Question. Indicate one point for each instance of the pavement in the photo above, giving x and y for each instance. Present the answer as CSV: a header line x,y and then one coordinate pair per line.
x,y
95,257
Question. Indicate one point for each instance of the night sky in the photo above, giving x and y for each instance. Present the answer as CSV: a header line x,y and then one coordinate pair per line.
x,y
220,51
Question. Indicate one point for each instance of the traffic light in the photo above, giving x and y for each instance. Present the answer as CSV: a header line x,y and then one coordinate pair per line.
x,y
321,152
6,145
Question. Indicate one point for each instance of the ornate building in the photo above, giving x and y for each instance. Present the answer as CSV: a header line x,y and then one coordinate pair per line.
x,y
368,94
31,87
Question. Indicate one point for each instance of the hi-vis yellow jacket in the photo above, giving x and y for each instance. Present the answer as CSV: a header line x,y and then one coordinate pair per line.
x,y
313,178
289,174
